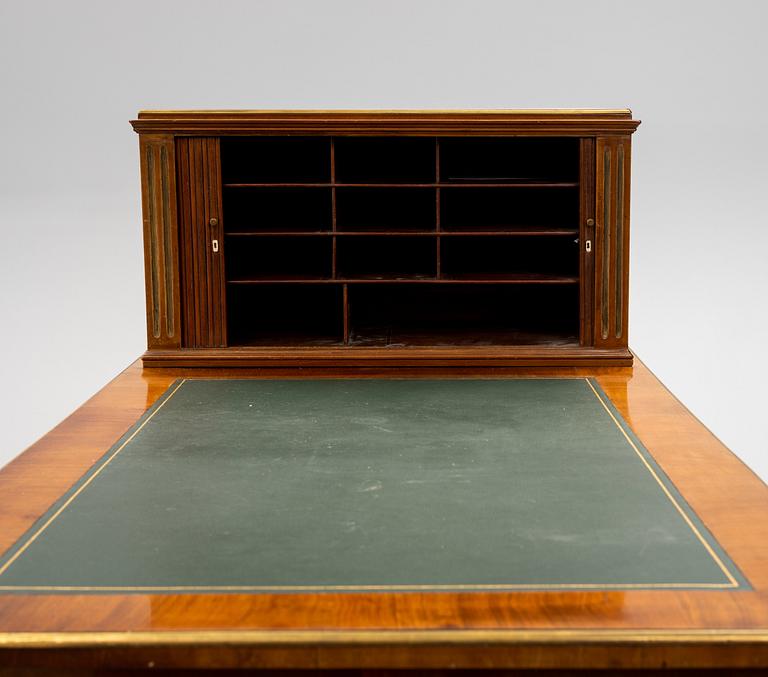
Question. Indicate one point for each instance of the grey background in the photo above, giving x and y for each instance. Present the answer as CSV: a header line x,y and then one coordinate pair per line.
x,y
73,73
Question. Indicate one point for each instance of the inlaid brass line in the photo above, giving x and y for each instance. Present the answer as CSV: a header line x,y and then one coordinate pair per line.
x,y
388,587
329,637
154,278
734,583
606,242
80,489
619,268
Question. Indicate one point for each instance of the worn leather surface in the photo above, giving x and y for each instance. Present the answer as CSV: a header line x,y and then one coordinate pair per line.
x,y
254,483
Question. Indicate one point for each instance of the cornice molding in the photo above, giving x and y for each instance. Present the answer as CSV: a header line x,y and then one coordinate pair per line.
x,y
561,122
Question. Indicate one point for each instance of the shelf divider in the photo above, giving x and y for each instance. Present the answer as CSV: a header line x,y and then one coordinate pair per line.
x,y
438,184
544,232
439,272
489,278
345,294
333,209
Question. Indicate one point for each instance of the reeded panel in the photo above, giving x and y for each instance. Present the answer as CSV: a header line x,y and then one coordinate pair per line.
x,y
607,231
612,241
160,228
202,245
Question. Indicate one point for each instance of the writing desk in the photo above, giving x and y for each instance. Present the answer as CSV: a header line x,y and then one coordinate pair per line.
x,y
528,629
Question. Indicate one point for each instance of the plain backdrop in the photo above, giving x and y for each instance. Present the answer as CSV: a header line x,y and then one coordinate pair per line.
x,y
73,73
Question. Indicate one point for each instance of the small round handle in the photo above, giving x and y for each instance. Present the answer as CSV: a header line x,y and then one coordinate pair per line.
x,y
214,222
590,222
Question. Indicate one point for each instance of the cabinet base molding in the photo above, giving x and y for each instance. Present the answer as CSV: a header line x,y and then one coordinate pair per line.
x,y
390,357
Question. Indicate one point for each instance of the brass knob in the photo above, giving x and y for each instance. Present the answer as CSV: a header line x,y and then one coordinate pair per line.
x,y
214,222
590,222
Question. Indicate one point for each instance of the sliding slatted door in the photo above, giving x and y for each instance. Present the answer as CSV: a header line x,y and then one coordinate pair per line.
x,y
203,291
587,239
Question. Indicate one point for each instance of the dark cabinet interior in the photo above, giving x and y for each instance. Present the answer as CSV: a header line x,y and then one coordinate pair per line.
x,y
403,241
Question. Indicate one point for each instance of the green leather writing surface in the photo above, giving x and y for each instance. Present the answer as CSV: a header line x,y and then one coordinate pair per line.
x,y
266,485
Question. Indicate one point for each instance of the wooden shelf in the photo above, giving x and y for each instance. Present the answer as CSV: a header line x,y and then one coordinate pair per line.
x,y
491,278
395,357
380,231
512,232
283,279
281,233
468,337
511,278
522,232
386,233
445,184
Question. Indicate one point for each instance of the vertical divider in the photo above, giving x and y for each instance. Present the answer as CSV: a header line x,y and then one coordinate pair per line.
x,y
333,209
345,295
438,271
345,291
220,261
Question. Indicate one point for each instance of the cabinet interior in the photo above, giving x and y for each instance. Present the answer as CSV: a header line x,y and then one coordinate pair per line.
x,y
397,241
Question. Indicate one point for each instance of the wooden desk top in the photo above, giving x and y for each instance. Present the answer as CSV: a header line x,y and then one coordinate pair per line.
x,y
628,628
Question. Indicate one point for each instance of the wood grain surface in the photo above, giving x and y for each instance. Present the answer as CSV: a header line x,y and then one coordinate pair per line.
x,y
542,122
618,629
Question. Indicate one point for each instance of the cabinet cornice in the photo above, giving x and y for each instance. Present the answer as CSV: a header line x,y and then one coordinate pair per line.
x,y
560,122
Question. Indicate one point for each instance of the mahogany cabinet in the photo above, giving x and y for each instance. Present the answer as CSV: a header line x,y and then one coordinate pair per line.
x,y
386,238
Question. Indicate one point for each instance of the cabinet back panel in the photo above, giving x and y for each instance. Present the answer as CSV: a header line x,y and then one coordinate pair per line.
x,y
285,314
385,209
475,315
386,257
509,159
384,160
275,159
508,208
479,256
277,209
253,258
